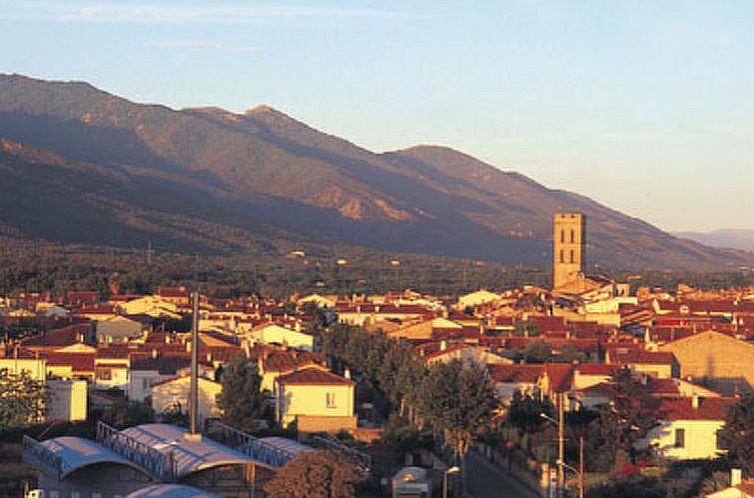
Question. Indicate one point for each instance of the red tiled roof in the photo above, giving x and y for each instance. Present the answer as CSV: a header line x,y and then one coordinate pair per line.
x,y
79,362
596,368
662,387
515,373
65,336
314,376
682,409
747,487
288,361
560,375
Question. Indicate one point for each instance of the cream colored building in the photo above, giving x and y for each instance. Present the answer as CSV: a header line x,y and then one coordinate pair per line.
x,y
154,306
275,334
477,298
68,400
37,368
723,361
171,393
316,401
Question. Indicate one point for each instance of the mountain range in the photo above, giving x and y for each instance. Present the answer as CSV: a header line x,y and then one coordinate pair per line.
x,y
79,165
734,238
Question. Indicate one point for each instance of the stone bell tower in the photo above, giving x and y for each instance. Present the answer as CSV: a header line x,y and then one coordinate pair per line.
x,y
569,248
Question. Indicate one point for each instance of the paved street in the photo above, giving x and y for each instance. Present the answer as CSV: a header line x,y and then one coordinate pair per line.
x,y
487,481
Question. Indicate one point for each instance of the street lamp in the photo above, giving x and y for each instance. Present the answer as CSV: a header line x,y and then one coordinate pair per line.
x,y
561,457
453,470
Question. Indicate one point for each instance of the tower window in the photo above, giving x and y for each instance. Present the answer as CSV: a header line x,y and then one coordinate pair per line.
x,y
571,255
562,256
573,236
562,236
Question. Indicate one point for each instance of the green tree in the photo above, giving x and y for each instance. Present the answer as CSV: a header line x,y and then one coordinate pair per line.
x,y
241,399
124,413
316,474
457,400
22,400
525,412
538,352
737,436
630,415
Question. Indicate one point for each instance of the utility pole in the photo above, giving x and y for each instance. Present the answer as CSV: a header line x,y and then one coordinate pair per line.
x,y
194,397
561,446
581,466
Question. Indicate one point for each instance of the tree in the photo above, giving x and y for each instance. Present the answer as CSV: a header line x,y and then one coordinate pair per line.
x,y
22,400
316,474
538,352
628,418
525,413
457,400
737,436
241,399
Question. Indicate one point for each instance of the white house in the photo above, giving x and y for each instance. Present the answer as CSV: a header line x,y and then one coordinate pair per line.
x,y
688,428
173,393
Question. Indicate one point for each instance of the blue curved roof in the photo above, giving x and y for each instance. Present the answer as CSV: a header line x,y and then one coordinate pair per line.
x,y
171,491
190,455
76,453
289,445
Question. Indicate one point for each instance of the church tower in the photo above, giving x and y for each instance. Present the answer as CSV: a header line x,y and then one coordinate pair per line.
x,y
569,248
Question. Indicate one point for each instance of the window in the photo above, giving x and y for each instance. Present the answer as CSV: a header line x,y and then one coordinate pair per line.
x,y
571,255
102,373
680,438
562,256
573,236
330,400
145,383
562,236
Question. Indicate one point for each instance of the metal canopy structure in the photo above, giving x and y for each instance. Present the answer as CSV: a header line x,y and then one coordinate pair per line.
x,y
61,456
183,454
171,491
271,452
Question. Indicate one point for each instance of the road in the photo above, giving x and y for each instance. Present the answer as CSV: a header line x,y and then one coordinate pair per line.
x,y
487,481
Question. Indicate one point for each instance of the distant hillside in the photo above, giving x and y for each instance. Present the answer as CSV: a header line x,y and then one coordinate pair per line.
x,y
732,238
81,165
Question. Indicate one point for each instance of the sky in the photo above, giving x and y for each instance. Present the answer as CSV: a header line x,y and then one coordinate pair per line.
x,y
645,106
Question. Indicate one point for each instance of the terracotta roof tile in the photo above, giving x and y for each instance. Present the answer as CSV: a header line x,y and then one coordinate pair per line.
x,y
314,376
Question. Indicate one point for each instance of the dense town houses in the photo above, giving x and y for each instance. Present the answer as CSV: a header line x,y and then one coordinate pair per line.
x,y
690,350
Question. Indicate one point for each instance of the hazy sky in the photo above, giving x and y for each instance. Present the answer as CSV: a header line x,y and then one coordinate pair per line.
x,y
646,106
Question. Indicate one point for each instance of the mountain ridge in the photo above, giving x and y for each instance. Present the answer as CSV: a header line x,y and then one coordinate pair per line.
x,y
263,168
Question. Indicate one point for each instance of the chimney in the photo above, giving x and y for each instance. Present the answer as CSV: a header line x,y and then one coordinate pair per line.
x,y
695,401
347,373
443,345
735,477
